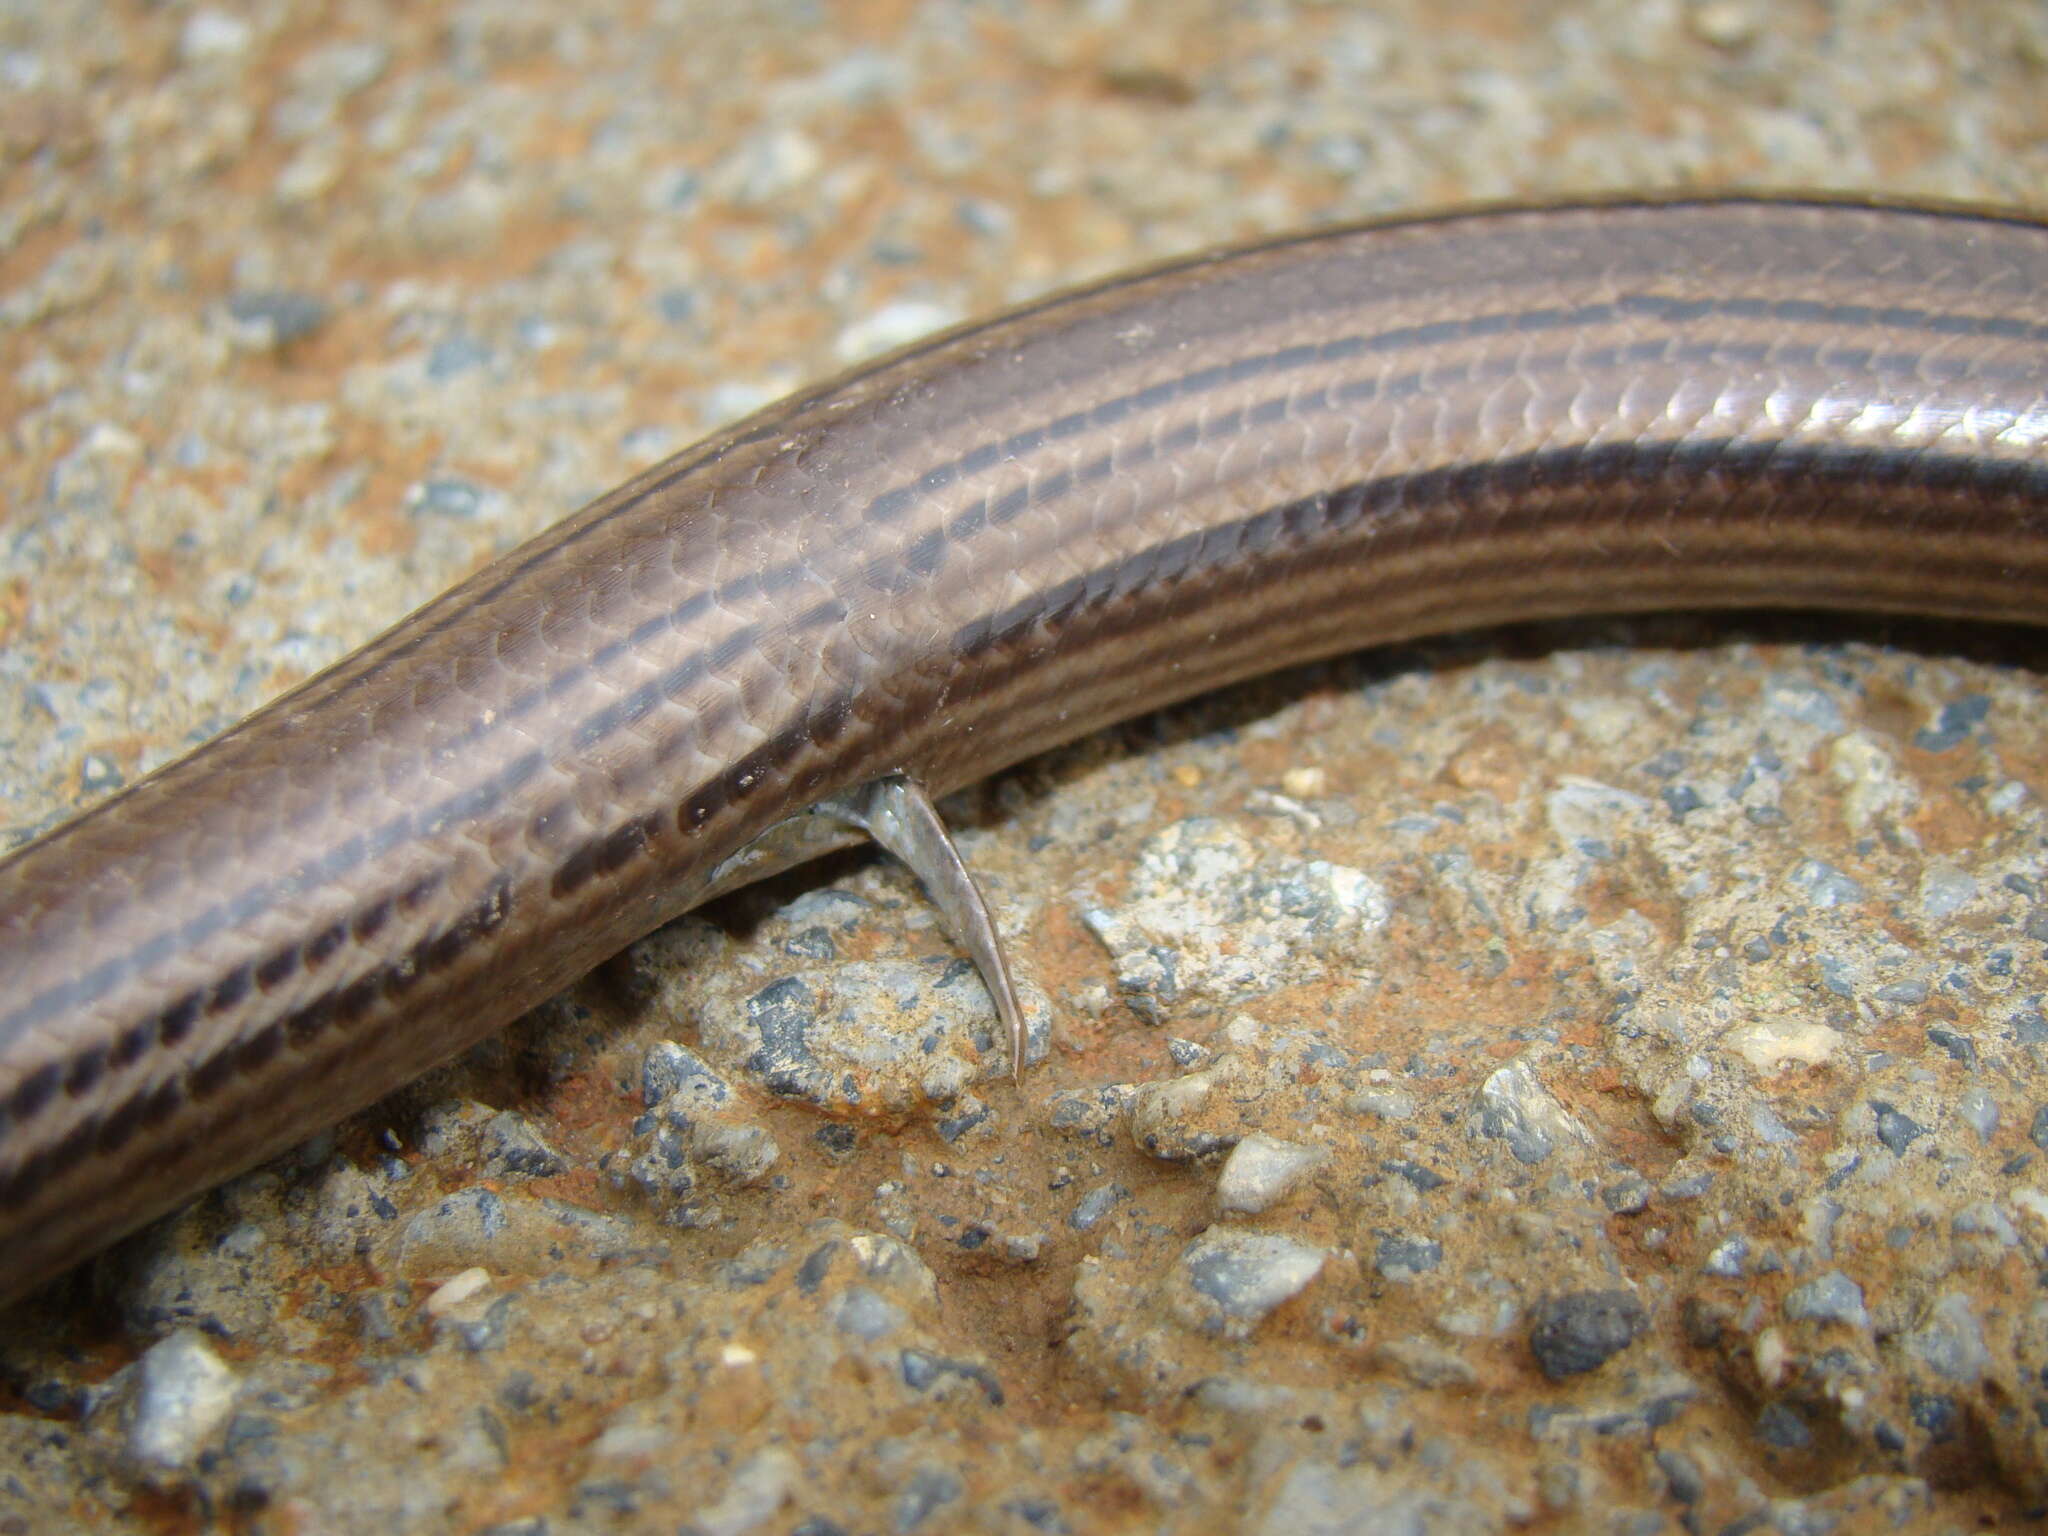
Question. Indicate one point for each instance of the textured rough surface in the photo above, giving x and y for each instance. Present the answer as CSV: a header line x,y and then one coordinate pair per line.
x,y
1695,964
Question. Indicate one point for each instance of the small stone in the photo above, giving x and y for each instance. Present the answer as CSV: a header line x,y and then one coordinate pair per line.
x,y
213,35
929,1490
1979,1110
766,166
1406,1258
1261,1171
1983,1217
1516,1107
1728,1258
893,326
1769,1129
1956,1043
753,1496
1423,1180
1687,1186
456,356
1772,1045
1953,724
1781,1426
512,1147
182,1396
1241,1277
1186,1117
463,1226
456,1291
1824,885
1951,1342
270,318
1381,1103
1945,890
1427,1363
968,1114
1829,1298
865,1313
509,1233
1095,1205
1896,1130
1305,783
922,1372
696,1119
1627,1195
1023,1247
838,1140
1933,1412
1682,1476
184,1272
1314,1498
452,496
669,1069
1091,1114
1582,1330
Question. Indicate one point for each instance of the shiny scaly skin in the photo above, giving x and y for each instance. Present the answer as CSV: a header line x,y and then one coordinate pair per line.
x,y
988,544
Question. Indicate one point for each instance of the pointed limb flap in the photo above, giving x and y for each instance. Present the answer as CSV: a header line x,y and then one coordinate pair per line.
x,y
898,814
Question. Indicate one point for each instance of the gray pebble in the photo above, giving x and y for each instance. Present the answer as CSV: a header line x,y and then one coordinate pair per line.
x,y
1247,1274
1381,1103
1261,1171
968,1114
182,1396
1023,1247
1728,1258
1187,1117
923,1371
447,496
1316,1499
511,1146
181,1274
1627,1195
1829,1298
669,1069
740,1150
753,1496
1986,1218
1953,725
1096,1204
1687,1186
1951,1342
865,1313
1091,1114
1824,885
1896,1130
276,317
1781,1426
696,1118
1946,890
1516,1107
1979,1111
459,1230
929,1490
1423,1180
1682,1475
1582,1330
1406,1258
